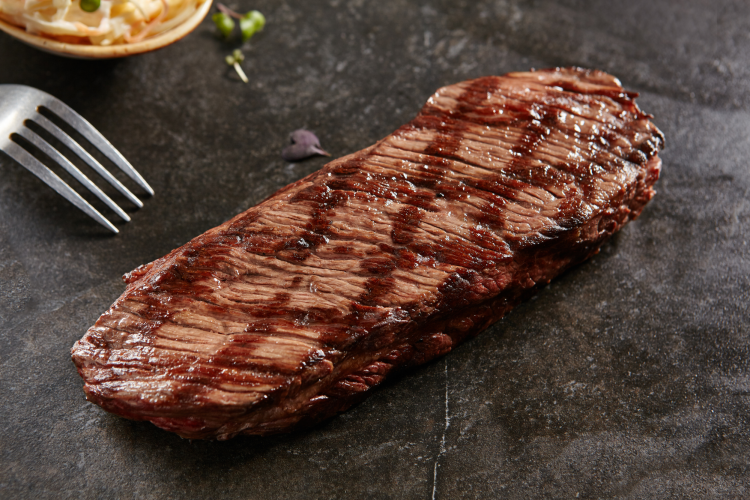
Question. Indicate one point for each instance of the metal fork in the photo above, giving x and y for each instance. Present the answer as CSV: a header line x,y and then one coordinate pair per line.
x,y
19,104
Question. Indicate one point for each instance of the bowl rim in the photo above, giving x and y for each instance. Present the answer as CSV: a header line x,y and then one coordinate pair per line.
x,y
80,51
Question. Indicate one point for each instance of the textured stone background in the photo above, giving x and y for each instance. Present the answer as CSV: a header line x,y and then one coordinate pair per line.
x,y
628,377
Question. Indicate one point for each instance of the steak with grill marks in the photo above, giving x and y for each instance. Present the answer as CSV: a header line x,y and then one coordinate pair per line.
x,y
387,258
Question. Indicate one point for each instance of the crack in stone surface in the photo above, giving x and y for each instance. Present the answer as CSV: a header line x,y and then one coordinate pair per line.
x,y
445,431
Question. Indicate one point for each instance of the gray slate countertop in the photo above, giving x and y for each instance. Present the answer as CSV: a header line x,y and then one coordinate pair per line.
x,y
627,377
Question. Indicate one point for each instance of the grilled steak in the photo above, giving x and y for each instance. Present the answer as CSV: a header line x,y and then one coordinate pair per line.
x,y
387,258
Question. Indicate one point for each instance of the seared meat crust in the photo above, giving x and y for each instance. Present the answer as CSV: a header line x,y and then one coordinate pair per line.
x,y
293,310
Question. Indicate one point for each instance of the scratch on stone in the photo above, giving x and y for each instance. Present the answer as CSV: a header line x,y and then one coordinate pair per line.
x,y
442,439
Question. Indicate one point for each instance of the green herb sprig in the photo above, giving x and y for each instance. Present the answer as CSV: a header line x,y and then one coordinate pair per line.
x,y
250,22
234,60
224,23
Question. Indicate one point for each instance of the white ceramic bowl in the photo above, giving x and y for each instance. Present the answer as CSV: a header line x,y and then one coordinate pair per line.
x,y
110,51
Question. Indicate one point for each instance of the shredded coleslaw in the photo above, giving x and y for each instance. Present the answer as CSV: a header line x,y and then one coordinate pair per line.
x,y
114,22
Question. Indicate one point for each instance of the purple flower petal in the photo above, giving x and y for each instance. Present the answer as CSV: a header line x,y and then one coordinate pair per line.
x,y
303,145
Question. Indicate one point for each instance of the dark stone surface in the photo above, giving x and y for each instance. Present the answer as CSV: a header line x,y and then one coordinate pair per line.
x,y
627,377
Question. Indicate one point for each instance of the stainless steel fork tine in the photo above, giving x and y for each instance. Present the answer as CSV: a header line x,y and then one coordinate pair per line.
x,y
84,155
47,149
20,105
52,180
97,139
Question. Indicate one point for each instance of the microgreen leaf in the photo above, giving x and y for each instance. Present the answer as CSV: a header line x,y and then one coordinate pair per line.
x,y
223,21
251,23
234,60
238,55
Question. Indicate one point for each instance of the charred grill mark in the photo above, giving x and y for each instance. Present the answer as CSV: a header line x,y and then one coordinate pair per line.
x,y
324,200
404,225
293,255
375,289
342,250
403,257
281,298
379,266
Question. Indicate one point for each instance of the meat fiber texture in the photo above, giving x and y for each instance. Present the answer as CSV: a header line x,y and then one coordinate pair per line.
x,y
387,258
